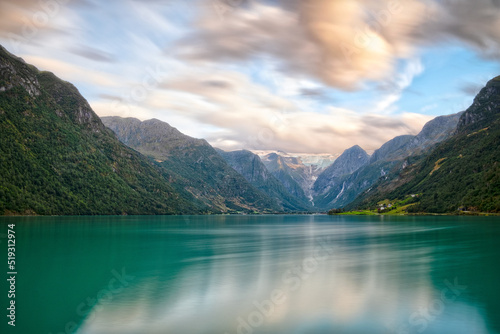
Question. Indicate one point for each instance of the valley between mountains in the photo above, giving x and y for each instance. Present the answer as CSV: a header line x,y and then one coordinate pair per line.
x,y
59,158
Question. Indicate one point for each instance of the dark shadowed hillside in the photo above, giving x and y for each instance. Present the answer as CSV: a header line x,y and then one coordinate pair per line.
x,y
56,156
254,171
195,165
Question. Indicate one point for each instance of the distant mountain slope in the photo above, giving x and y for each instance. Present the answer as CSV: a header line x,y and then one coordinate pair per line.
x,y
56,156
253,170
384,163
297,172
350,161
327,185
390,150
290,173
433,132
318,161
461,172
195,166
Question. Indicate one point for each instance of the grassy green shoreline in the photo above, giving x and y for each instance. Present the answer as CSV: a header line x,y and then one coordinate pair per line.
x,y
375,213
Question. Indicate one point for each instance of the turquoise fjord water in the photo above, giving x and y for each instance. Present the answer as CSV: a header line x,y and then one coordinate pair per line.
x,y
255,274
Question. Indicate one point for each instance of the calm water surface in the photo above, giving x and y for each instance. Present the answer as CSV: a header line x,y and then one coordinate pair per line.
x,y
256,274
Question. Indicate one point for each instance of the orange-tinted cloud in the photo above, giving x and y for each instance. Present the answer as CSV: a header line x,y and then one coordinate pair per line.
x,y
342,42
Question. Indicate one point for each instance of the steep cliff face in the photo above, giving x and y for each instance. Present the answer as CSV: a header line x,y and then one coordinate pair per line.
x,y
254,171
195,166
56,156
350,161
331,185
289,174
248,165
433,132
15,72
483,110
68,101
297,171
389,150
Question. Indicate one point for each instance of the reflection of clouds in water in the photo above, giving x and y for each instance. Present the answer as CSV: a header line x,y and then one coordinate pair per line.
x,y
370,283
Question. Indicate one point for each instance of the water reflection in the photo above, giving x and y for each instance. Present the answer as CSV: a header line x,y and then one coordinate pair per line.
x,y
271,274
312,276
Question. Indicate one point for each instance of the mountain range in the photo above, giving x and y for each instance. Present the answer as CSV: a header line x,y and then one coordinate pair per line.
x,y
353,172
297,172
195,166
254,171
462,173
58,157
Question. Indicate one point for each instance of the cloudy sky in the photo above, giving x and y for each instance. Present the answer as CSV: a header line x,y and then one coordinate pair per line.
x,y
309,76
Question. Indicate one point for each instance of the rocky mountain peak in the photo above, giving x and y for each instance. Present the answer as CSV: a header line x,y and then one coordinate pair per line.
x,y
15,72
350,161
386,150
483,110
156,138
